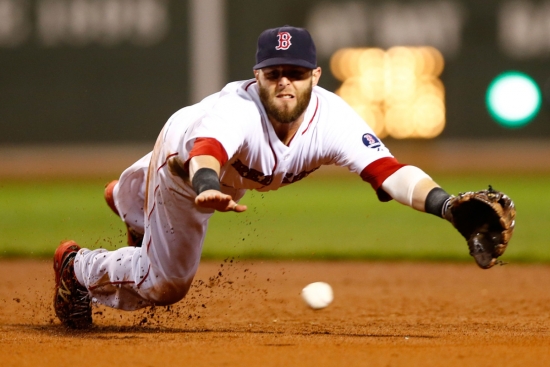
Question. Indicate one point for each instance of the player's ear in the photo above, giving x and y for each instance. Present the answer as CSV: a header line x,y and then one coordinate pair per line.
x,y
256,74
316,75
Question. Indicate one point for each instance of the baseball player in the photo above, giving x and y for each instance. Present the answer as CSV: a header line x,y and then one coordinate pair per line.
x,y
259,134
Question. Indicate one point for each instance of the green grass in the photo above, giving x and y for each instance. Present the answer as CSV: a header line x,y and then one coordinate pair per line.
x,y
322,217
36,216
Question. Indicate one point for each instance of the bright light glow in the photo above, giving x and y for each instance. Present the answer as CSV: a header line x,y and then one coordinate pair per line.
x,y
397,92
513,99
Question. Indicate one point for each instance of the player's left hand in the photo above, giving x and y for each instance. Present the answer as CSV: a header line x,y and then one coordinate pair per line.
x,y
486,219
219,201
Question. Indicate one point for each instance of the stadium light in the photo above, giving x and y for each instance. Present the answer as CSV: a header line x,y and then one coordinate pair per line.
x,y
513,99
396,91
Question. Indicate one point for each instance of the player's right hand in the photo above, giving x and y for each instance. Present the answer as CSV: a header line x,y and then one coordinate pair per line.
x,y
219,201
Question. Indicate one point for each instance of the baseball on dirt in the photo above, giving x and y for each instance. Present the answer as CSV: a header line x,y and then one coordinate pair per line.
x,y
318,295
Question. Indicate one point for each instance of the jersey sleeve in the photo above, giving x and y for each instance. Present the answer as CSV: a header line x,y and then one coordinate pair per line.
x,y
223,128
208,146
377,172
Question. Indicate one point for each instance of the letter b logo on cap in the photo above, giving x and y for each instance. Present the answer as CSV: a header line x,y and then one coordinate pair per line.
x,y
284,41
275,48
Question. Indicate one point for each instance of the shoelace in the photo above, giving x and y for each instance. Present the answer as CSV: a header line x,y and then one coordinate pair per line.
x,y
82,305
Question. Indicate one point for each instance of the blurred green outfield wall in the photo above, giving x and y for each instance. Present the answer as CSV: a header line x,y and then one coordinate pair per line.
x,y
115,70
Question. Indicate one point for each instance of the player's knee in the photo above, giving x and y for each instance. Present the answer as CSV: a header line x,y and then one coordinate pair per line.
x,y
169,291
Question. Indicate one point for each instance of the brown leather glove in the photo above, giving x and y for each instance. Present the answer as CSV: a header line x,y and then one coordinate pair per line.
x,y
486,219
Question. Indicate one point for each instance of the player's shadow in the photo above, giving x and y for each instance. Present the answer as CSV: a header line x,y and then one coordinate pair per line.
x,y
101,331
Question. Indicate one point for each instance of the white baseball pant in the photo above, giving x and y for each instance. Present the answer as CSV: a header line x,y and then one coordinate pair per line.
x,y
161,271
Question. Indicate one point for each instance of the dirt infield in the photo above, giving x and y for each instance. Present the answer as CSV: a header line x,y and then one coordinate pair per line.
x,y
249,313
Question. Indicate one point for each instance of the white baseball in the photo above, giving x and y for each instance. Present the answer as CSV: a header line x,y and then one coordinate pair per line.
x,y
318,295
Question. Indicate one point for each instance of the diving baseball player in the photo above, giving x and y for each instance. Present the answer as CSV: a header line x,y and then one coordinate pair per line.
x,y
259,134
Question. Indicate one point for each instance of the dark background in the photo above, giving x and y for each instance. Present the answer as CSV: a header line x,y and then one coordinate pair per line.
x,y
125,92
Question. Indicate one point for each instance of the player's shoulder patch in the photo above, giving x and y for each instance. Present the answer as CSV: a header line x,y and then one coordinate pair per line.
x,y
371,141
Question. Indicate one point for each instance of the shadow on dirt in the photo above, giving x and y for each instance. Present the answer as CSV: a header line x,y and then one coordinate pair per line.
x,y
109,332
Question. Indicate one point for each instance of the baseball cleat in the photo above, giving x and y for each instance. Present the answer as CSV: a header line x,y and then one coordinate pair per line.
x,y
134,238
72,302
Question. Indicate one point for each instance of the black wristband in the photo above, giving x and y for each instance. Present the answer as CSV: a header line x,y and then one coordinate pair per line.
x,y
205,179
435,201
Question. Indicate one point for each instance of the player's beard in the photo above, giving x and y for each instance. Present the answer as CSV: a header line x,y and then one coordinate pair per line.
x,y
285,115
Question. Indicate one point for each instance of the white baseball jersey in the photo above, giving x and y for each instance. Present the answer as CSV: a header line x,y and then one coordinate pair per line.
x,y
153,196
331,133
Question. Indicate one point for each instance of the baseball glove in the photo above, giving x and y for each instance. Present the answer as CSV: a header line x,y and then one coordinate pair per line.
x,y
486,219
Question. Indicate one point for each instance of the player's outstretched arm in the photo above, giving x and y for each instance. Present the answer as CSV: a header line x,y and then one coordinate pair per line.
x,y
204,174
409,186
485,218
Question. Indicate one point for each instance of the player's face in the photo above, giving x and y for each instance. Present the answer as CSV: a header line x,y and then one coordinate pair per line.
x,y
285,90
